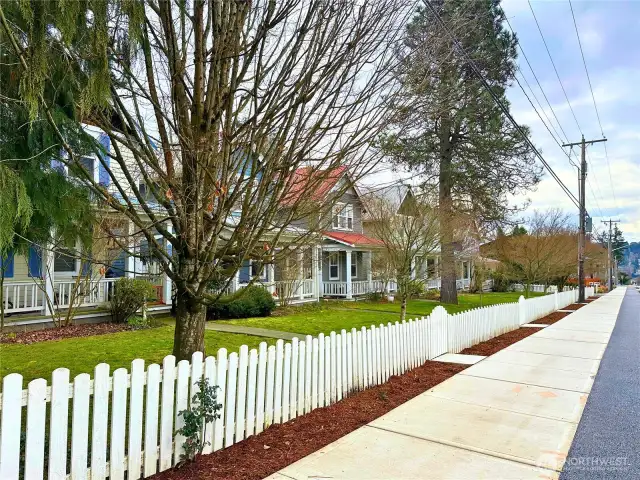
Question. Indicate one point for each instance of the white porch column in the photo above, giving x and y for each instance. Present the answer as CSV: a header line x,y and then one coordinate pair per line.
x,y
369,272
130,263
412,273
319,282
300,257
48,279
348,277
235,281
167,284
271,278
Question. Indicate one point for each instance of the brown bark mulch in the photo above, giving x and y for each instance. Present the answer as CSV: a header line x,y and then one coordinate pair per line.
x,y
71,331
280,445
551,318
498,343
573,306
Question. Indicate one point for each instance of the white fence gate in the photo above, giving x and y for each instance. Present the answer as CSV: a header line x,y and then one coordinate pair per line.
x,y
138,411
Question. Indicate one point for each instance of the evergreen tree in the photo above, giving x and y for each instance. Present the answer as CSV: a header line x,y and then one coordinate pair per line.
x,y
447,126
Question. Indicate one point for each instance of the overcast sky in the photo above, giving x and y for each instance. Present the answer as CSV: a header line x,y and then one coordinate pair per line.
x,y
610,34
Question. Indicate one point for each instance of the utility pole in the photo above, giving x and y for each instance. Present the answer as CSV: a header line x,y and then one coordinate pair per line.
x,y
610,255
583,211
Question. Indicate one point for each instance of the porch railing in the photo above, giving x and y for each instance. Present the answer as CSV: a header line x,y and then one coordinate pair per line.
x,y
20,297
83,293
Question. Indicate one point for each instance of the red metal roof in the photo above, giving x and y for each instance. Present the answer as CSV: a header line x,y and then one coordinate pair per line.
x,y
355,239
303,183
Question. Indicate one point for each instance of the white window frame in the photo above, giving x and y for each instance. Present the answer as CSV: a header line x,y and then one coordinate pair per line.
x,y
335,256
263,274
343,216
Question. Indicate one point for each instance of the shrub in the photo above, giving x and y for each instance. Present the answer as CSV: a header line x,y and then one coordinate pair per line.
x,y
414,288
204,409
374,296
500,282
432,294
129,295
253,301
136,322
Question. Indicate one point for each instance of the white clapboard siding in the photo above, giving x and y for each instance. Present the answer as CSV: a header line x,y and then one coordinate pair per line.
x,y
134,415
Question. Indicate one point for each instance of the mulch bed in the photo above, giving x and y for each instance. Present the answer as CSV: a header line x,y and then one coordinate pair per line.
x,y
498,343
71,331
573,306
552,318
280,445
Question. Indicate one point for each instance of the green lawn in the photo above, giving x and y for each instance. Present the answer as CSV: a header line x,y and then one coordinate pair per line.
x,y
334,316
321,320
81,355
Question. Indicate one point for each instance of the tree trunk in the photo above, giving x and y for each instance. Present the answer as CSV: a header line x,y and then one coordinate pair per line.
x,y
189,332
403,306
448,291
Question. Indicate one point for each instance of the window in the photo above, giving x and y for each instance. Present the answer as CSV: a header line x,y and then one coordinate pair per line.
x,y
64,261
334,263
87,164
258,270
343,216
354,267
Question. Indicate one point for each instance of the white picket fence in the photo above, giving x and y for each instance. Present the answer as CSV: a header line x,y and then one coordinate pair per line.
x,y
138,411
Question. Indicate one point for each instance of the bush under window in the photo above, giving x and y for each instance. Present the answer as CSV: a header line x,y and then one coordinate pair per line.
x,y
129,294
253,301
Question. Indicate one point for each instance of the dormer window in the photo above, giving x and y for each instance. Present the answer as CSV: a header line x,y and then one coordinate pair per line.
x,y
343,216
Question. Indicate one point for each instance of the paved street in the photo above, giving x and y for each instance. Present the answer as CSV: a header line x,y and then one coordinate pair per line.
x,y
607,443
512,415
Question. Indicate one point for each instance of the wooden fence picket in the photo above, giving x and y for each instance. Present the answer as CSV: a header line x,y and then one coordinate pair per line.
x,y
277,384
166,412
79,427
230,417
293,394
59,424
152,406
118,424
36,420
241,396
221,382
99,432
134,450
262,382
210,374
286,383
251,393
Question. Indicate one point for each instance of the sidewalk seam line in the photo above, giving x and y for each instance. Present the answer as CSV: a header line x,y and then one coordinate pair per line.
x,y
522,383
468,448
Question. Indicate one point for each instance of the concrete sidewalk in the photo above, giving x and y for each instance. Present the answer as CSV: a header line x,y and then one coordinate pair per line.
x,y
513,415
607,444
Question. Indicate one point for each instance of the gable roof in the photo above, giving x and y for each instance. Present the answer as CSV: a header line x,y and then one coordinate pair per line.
x,y
308,181
353,239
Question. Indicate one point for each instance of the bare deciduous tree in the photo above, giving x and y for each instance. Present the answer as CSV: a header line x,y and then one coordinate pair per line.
x,y
407,226
548,249
209,108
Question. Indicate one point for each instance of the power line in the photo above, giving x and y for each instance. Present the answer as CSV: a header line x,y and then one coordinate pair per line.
x,y
502,107
593,191
595,105
554,66
539,84
593,195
